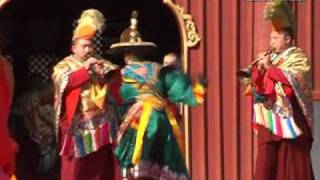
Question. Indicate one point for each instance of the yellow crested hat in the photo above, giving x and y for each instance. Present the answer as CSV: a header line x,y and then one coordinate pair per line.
x,y
280,15
90,21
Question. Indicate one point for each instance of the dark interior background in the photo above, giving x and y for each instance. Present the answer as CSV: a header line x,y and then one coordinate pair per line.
x,y
31,27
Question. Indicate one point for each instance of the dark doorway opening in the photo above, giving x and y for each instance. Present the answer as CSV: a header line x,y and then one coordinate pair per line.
x,y
35,27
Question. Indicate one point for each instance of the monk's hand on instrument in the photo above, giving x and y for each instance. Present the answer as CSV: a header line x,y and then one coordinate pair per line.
x,y
90,62
264,61
98,67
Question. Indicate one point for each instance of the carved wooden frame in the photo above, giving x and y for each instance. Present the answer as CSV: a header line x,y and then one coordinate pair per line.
x,y
189,38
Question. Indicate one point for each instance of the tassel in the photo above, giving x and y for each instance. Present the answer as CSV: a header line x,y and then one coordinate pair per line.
x,y
248,90
13,177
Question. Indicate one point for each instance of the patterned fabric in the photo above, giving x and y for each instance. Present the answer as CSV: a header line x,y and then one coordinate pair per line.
x,y
149,140
155,171
279,118
276,121
90,135
94,123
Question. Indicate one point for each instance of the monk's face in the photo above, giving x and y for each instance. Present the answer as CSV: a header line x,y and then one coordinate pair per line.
x,y
82,48
279,41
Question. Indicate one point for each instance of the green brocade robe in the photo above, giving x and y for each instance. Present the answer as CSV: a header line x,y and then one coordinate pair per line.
x,y
150,142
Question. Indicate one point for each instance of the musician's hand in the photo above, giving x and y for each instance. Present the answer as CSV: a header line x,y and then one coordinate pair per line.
x,y
89,62
99,69
264,61
261,55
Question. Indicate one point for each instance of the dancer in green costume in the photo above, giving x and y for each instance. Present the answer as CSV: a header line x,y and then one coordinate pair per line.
x,y
149,140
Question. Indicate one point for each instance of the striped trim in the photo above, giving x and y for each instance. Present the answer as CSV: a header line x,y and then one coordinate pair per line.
x,y
79,145
91,140
289,124
87,139
278,124
284,127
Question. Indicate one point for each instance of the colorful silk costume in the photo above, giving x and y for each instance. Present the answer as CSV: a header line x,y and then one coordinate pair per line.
x,y
150,143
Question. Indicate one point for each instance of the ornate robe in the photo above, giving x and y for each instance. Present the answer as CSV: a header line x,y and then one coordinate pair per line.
x,y
283,117
85,114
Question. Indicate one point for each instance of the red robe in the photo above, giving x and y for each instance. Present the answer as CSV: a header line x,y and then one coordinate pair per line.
x,y
282,159
8,146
